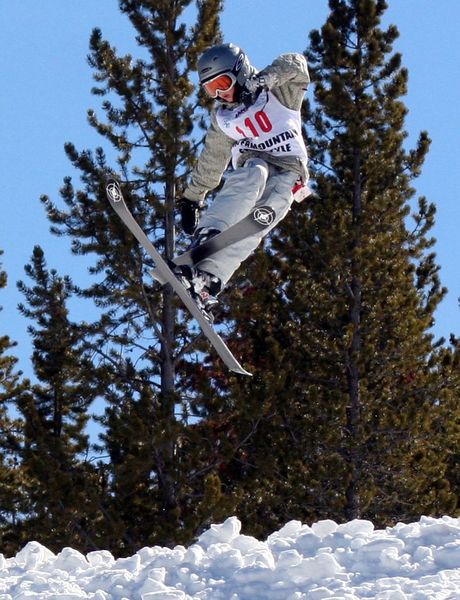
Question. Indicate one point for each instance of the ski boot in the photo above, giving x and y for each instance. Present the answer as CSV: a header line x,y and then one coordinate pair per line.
x,y
202,286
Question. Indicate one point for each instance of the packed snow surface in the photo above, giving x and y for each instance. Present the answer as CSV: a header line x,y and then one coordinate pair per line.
x,y
419,561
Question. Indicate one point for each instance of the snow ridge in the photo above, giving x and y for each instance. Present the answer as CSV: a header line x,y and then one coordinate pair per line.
x,y
417,561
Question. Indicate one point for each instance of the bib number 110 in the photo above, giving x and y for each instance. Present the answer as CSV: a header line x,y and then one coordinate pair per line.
x,y
262,124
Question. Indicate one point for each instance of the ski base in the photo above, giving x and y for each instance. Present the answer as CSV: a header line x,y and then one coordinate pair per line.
x,y
163,273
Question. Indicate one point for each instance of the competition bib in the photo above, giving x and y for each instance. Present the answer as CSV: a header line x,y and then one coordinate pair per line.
x,y
266,126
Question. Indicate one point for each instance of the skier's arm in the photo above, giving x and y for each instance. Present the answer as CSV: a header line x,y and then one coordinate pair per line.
x,y
211,164
287,77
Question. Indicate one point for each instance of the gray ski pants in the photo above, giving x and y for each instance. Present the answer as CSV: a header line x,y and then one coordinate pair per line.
x,y
255,184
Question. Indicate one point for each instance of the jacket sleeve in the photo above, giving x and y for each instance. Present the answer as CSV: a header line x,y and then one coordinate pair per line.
x,y
211,164
287,78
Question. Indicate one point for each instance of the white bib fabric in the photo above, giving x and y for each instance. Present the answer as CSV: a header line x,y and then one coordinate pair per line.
x,y
266,126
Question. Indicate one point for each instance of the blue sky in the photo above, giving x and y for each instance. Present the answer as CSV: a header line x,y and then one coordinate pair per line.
x,y
46,85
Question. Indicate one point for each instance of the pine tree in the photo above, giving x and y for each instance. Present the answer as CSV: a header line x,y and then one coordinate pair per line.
x,y
341,306
447,424
389,275
143,339
12,490
62,485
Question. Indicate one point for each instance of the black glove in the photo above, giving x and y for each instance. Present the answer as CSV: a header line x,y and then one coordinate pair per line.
x,y
189,214
265,80
248,97
254,85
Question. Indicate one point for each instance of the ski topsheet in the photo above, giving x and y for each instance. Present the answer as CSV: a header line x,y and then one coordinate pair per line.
x,y
165,275
258,219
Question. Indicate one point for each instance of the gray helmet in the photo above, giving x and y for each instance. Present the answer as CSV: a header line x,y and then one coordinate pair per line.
x,y
226,58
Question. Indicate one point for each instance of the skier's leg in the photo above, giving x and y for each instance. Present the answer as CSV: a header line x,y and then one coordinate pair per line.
x,y
242,190
277,194
238,196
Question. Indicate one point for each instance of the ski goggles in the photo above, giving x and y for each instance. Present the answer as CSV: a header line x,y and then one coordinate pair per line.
x,y
219,83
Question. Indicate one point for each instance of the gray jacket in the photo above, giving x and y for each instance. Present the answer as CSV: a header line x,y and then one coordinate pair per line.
x,y
287,78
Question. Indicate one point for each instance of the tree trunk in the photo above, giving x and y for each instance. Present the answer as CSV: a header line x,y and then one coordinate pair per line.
x,y
353,507
165,456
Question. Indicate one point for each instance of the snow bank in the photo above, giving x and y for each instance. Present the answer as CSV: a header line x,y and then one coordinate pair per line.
x,y
419,561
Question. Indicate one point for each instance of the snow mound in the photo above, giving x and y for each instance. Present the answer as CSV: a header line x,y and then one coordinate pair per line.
x,y
418,561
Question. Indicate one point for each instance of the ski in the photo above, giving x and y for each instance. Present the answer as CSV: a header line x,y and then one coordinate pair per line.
x,y
256,221
164,274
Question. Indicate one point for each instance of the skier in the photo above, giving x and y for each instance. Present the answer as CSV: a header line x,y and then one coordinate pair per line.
x,y
257,126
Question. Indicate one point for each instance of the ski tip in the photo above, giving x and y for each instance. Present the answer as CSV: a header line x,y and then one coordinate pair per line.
x,y
112,188
240,371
